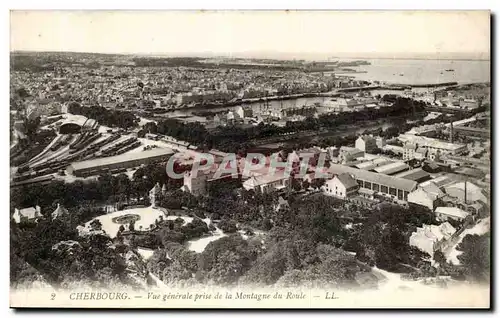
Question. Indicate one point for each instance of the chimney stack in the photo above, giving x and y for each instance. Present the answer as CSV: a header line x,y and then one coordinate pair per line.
x,y
451,132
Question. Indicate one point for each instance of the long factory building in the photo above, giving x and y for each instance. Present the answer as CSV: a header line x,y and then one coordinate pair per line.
x,y
392,186
124,161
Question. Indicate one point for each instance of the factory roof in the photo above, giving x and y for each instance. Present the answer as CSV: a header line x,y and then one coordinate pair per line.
x,y
122,158
392,168
414,174
431,142
453,211
374,177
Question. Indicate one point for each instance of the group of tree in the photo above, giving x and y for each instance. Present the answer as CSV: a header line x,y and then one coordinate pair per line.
x,y
106,189
106,117
63,258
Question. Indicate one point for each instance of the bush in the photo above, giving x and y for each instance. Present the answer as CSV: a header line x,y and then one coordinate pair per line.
x,y
228,226
266,224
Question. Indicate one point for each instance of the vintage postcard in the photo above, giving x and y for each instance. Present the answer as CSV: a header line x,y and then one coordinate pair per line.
x,y
250,159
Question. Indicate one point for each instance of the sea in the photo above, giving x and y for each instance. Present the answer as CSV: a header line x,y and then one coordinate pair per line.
x,y
403,71
390,71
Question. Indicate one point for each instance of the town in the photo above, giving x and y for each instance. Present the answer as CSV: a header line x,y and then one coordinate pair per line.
x,y
384,178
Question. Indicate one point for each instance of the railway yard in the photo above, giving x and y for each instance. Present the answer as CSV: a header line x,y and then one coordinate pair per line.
x,y
76,145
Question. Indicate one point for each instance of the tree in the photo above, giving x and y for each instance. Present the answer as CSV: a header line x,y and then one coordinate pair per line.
x,y
476,256
228,226
439,257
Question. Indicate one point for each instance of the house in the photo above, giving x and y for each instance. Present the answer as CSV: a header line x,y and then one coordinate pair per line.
x,y
445,213
425,196
31,214
409,151
420,154
243,112
281,205
348,154
268,182
341,186
380,141
366,143
432,238
60,211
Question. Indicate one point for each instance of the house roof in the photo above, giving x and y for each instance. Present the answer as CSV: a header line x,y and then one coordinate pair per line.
x,y
366,138
435,232
59,211
452,211
255,181
347,180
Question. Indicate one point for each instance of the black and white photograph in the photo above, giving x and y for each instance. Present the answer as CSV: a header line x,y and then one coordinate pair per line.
x,y
250,159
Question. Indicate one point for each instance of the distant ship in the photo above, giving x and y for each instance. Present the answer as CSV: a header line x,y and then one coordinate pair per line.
x,y
401,74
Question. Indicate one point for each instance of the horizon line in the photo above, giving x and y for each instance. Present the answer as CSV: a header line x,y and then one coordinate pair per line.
x,y
266,56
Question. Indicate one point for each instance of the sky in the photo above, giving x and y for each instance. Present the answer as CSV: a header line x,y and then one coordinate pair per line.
x,y
240,33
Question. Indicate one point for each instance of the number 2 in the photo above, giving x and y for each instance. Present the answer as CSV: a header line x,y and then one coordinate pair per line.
x,y
52,296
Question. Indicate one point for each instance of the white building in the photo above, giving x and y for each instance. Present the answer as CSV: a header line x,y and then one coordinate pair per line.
x,y
426,196
366,143
341,186
431,238
60,211
348,154
268,183
243,112
434,146
27,215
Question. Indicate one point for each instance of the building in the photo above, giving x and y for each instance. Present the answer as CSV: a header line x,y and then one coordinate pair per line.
x,y
196,184
31,214
341,186
466,192
392,168
389,186
60,211
380,141
417,175
468,103
432,145
426,196
268,183
348,154
372,164
243,112
454,213
76,124
409,149
156,194
124,161
366,143
432,238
